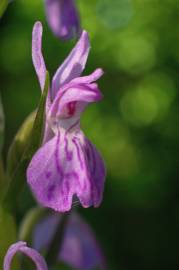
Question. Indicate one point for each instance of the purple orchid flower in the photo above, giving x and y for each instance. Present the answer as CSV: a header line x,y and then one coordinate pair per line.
x,y
29,252
79,250
67,164
63,18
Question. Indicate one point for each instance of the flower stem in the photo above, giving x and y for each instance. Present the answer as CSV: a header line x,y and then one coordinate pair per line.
x,y
30,220
1,171
57,241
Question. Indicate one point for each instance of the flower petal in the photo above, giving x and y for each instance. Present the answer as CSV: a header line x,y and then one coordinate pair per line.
x,y
94,76
63,18
48,133
72,101
46,177
61,169
80,249
73,65
73,97
37,56
31,253
96,175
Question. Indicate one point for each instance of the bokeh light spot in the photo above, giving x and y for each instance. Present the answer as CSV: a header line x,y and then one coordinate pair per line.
x,y
115,13
14,62
149,101
136,53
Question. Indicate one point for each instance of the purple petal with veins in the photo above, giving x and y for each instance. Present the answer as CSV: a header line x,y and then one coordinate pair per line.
x,y
65,166
72,100
73,97
73,65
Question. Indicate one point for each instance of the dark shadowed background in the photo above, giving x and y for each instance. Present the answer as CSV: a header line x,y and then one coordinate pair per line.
x,y
136,126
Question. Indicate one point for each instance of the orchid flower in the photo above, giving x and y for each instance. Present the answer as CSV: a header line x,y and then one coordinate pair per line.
x,y
63,18
68,164
79,249
29,252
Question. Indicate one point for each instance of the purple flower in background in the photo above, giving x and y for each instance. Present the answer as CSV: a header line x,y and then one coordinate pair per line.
x,y
29,252
79,249
67,164
63,18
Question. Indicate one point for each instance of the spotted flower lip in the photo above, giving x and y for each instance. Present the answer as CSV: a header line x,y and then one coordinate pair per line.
x,y
79,249
29,252
63,18
67,164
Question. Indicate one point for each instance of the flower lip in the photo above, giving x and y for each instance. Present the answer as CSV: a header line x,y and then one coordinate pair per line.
x,y
57,178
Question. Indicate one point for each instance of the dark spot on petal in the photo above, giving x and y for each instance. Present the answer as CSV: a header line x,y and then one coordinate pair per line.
x,y
50,192
48,174
71,108
88,153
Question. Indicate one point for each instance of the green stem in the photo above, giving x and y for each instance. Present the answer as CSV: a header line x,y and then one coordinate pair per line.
x,y
2,177
57,241
29,222
3,6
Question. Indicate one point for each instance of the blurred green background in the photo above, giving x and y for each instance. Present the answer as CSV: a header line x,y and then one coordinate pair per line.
x,y
136,126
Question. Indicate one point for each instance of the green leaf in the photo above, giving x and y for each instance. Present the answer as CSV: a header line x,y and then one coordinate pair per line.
x,y
29,221
39,123
1,125
7,234
31,139
62,266
2,175
3,6
19,143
